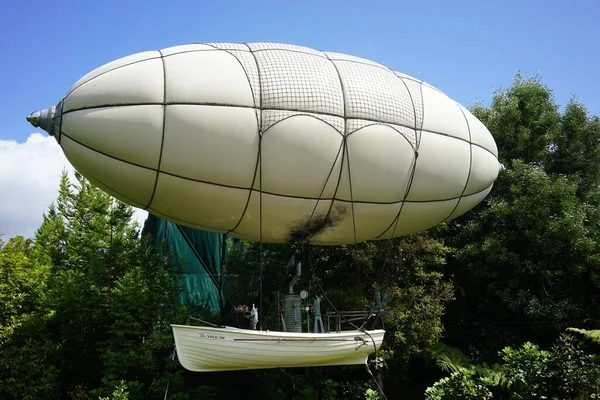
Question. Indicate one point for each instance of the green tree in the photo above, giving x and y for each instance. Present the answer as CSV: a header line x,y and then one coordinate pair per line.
x,y
523,118
23,276
574,149
108,299
461,384
526,265
27,354
564,371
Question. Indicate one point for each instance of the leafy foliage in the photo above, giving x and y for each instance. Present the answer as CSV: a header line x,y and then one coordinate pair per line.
x,y
526,265
23,276
526,261
462,384
592,335
564,371
120,393
523,119
99,298
27,367
527,372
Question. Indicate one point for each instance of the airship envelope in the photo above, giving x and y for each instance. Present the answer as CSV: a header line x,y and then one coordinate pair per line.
x,y
275,142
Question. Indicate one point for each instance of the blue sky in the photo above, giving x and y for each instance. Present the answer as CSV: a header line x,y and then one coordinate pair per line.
x,y
464,47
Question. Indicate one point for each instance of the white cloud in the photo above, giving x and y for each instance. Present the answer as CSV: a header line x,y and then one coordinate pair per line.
x,y
29,177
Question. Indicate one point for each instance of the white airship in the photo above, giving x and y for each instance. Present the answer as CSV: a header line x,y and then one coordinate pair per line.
x,y
275,142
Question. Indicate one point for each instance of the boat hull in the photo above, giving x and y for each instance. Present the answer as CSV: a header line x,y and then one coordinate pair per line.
x,y
208,349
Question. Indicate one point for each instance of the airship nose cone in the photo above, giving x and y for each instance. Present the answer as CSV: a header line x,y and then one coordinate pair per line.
x,y
34,118
45,119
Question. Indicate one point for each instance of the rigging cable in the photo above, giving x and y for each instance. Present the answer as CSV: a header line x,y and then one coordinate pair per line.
x,y
362,329
376,366
389,247
397,219
395,224
325,294
198,256
169,380
380,389
260,232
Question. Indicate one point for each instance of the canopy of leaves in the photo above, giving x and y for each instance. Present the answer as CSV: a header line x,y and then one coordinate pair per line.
x,y
527,261
564,371
90,303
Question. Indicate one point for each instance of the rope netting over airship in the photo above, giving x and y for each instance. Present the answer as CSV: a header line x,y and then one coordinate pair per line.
x,y
275,142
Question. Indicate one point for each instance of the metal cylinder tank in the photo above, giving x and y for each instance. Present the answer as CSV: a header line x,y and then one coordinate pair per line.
x,y
292,313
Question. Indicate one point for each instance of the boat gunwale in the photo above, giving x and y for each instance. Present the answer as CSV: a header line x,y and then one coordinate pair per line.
x,y
324,335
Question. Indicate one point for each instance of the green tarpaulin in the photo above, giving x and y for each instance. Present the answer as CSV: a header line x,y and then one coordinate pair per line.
x,y
201,254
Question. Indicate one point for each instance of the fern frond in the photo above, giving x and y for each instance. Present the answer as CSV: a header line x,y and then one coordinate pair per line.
x,y
592,335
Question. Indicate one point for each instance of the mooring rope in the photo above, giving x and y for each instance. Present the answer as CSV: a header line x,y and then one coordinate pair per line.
x,y
379,388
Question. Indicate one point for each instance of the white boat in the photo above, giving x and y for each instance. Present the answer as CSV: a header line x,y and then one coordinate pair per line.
x,y
210,349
